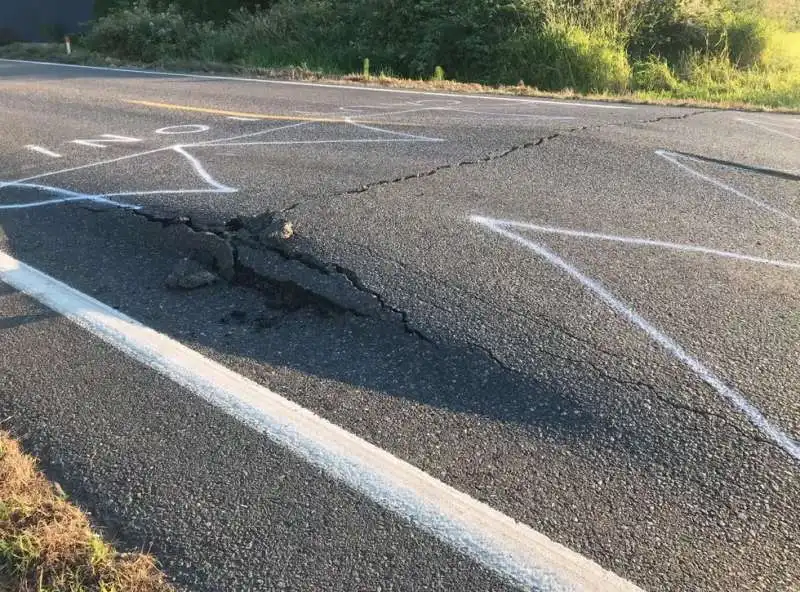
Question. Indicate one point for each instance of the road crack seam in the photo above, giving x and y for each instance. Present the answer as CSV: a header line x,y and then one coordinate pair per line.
x,y
491,157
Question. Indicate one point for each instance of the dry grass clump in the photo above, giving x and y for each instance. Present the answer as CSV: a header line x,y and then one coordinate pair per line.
x,y
47,544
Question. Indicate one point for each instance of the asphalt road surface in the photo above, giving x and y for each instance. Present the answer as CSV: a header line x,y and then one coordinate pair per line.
x,y
584,316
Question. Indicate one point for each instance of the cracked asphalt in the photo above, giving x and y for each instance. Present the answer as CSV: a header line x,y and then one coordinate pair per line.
x,y
393,313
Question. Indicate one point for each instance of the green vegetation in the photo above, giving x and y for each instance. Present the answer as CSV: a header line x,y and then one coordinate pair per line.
x,y
735,51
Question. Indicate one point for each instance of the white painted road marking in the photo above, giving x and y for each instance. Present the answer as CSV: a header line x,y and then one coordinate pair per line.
x,y
183,129
66,195
766,128
564,103
773,433
44,151
71,196
105,139
493,539
645,242
673,158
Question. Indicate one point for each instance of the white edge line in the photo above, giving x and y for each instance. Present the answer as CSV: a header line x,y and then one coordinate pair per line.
x,y
319,85
754,415
511,548
645,242
673,158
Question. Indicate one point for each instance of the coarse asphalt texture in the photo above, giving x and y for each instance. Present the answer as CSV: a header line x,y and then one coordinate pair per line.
x,y
504,292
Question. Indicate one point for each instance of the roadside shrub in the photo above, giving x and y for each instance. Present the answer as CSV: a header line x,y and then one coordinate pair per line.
x,y
567,56
412,37
201,10
654,74
663,28
742,37
286,34
139,33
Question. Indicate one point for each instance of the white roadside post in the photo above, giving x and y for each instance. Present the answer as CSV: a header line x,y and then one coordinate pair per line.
x,y
68,44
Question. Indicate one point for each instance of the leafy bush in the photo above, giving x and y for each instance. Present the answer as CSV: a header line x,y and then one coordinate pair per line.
x,y
654,74
412,37
567,56
140,33
202,10
742,37
287,33
663,28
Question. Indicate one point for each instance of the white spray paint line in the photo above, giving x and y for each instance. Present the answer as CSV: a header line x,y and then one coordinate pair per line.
x,y
44,151
72,196
69,196
250,134
191,128
644,242
48,202
144,153
388,113
767,128
242,118
105,140
312,142
328,86
731,167
426,103
504,115
495,115
493,539
199,169
18,182
202,172
770,431
391,132
22,182
216,186
673,158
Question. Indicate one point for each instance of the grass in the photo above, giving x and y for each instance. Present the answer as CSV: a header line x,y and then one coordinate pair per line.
x,y
47,544
725,88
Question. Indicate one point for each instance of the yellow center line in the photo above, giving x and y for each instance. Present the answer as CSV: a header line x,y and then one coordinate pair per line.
x,y
265,116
